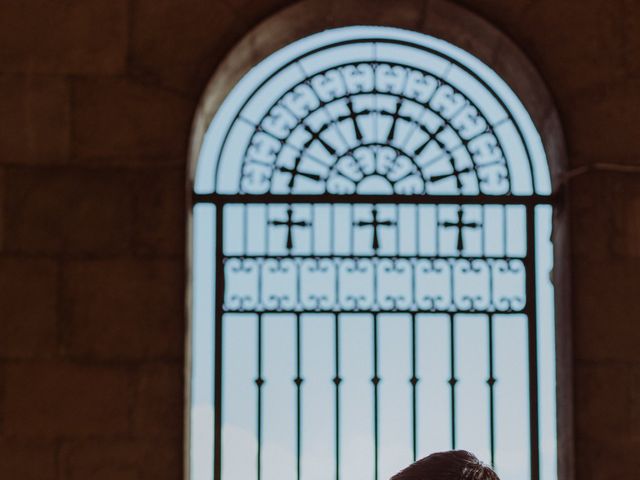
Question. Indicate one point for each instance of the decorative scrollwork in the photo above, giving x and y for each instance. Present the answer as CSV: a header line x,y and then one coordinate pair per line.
x,y
379,284
374,125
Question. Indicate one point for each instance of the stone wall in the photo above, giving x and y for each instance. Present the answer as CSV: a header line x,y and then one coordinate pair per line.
x,y
96,103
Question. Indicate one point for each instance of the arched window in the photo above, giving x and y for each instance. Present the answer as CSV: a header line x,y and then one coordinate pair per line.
x,y
371,266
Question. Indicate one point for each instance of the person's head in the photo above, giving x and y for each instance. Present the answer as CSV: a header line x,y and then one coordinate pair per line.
x,y
452,465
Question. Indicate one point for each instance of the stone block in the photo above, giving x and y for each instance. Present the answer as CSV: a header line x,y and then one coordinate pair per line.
x,y
252,12
504,15
3,214
74,36
124,309
610,199
408,14
28,307
71,211
635,403
604,409
630,27
625,211
452,23
121,460
613,458
160,212
575,47
586,211
178,44
34,119
159,401
601,122
605,309
49,400
116,118
27,460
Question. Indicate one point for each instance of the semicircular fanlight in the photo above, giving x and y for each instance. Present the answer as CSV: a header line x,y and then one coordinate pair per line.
x,y
383,111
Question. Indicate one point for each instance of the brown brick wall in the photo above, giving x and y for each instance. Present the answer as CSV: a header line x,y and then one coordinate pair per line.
x,y
96,102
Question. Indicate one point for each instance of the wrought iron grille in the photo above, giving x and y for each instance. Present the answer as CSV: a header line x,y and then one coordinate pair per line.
x,y
374,187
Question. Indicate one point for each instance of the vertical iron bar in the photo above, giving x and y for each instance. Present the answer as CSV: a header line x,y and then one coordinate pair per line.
x,y
218,318
259,384
414,300
491,382
414,382
337,380
452,346
531,311
336,326
453,380
375,380
298,382
259,380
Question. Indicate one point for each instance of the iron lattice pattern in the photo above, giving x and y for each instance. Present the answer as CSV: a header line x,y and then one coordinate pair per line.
x,y
376,258
410,262
375,126
372,188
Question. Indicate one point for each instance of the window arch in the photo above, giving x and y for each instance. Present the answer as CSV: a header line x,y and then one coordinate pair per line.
x,y
371,186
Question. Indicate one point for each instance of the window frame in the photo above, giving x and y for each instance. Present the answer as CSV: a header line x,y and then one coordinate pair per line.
x,y
490,46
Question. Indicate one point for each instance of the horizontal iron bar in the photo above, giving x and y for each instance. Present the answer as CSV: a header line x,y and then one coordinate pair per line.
x,y
219,199
371,257
377,312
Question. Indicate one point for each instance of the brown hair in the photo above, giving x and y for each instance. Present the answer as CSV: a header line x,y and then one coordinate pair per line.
x,y
452,465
